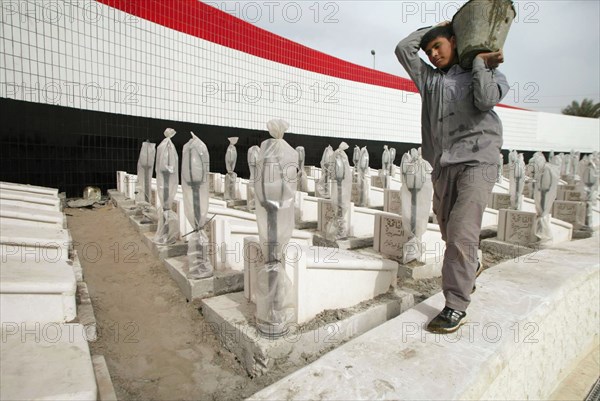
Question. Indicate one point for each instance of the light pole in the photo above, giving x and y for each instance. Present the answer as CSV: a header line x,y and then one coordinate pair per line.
x,y
373,53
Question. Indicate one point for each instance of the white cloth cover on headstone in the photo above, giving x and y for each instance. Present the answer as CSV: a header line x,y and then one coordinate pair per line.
x,y
355,157
324,183
341,192
363,179
415,196
145,166
195,164
229,192
516,179
544,196
500,172
253,155
275,190
385,166
167,181
589,178
302,180
392,158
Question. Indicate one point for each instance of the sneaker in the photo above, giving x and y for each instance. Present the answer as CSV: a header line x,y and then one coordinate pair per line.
x,y
477,273
447,321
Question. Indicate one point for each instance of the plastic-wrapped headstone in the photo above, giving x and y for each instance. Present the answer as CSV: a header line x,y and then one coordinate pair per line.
x,y
385,166
392,159
500,165
167,180
589,179
564,164
535,166
363,178
253,155
143,186
415,194
516,179
545,193
582,165
337,228
195,166
324,183
355,156
302,184
231,176
275,192
551,157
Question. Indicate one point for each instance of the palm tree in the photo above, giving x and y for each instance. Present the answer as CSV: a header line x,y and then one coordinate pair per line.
x,y
587,108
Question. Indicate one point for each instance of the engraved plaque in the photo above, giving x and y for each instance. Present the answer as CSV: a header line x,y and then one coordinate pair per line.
x,y
516,227
392,201
570,211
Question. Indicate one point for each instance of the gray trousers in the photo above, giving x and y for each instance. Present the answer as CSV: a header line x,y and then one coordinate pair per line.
x,y
460,195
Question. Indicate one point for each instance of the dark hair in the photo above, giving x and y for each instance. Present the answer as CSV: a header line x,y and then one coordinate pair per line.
x,y
436,32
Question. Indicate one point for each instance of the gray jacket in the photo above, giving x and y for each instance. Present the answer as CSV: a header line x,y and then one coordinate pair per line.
x,y
458,124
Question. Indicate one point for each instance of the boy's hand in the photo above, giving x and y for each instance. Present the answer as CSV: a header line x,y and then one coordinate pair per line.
x,y
492,60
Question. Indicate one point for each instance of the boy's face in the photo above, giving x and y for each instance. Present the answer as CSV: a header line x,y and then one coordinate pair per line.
x,y
441,51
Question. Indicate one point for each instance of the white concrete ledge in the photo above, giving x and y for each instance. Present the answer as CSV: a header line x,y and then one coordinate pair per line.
x,y
44,243
31,215
528,321
28,188
36,292
46,362
29,197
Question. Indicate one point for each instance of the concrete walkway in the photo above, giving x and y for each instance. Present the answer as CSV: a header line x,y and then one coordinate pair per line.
x,y
531,320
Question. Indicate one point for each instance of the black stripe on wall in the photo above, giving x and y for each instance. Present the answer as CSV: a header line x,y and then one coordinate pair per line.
x,y
69,149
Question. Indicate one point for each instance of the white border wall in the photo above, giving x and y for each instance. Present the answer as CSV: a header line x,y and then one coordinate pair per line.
x,y
87,55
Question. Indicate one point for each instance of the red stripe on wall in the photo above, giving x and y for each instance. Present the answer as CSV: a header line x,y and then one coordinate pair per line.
x,y
203,21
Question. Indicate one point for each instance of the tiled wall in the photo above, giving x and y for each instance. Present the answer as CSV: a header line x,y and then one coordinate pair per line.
x,y
135,62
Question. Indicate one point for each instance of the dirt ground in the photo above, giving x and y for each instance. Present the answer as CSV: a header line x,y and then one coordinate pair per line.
x,y
158,346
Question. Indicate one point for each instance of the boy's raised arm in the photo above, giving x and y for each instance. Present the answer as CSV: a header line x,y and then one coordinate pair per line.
x,y
407,52
489,85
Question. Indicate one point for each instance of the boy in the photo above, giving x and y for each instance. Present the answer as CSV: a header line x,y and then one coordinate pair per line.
x,y
461,138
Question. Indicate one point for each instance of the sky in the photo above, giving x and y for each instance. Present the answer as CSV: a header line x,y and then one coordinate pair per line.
x,y
552,52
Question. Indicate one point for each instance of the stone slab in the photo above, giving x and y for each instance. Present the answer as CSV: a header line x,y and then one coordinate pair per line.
x,y
231,319
306,225
419,271
506,249
163,252
236,202
526,324
50,362
222,282
36,292
106,390
142,224
347,243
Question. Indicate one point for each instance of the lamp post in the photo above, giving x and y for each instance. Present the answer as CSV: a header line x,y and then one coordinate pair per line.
x,y
373,53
